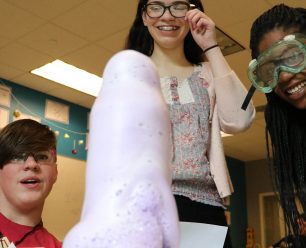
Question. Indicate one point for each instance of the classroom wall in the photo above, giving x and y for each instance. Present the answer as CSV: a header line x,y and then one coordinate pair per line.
x,y
237,206
32,104
257,181
63,206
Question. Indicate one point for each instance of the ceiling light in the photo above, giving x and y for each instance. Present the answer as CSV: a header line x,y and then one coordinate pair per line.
x,y
71,76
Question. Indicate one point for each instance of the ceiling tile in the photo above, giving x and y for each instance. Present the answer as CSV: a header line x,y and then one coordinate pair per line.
x,y
9,72
255,131
90,58
223,12
15,22
259,116
239,63
248,145
52,40
46,9
114,42
35,82
250,152
241,32
259,98
22,57
3,40
73,96
94,21
122,8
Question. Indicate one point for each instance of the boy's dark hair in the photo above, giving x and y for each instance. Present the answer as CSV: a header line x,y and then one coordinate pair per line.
x,y
139,38
24,136
279,16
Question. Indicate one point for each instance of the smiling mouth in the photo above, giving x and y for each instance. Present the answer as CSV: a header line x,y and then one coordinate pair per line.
x,y
167,28
296,89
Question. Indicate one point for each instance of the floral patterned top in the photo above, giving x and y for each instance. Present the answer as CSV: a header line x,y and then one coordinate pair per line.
x,y
189,107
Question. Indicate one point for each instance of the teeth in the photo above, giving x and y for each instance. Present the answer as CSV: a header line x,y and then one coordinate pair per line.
x,y
296,88
167,28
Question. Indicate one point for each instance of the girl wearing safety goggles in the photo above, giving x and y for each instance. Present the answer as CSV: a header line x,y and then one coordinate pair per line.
x,y
278,68
287,55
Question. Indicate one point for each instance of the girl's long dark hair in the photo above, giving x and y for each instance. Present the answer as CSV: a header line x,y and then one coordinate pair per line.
x,y
139,38
285,126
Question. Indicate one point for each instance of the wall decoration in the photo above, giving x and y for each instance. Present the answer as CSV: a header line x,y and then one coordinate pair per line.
x,y
4,117
74,150
18,115
5,96
57,111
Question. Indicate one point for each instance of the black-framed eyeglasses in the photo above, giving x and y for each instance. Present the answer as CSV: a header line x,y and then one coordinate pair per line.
x,y
177,9
46,157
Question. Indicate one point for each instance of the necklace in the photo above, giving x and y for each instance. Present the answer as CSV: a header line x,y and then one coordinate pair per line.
x,y
27,234
33,230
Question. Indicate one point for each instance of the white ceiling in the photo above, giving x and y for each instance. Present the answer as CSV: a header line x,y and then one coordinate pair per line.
x,y
86,33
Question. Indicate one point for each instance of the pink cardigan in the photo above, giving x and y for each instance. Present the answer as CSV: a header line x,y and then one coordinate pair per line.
x,y
226,96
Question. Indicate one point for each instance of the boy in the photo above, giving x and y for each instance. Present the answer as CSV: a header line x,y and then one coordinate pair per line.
x,y
28,171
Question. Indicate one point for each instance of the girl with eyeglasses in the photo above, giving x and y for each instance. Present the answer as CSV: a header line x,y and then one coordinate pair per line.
x,y
203,99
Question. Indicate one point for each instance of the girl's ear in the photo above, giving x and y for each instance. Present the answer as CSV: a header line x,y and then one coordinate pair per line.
x,y
144,19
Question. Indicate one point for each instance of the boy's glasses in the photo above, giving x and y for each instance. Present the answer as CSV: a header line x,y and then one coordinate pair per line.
x,y
177,9
287,55
46,157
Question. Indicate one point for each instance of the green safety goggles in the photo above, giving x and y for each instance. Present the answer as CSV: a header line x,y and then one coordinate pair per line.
x,y
288,55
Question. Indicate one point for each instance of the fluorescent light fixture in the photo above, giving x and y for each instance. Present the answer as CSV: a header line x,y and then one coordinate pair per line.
x,y
223,135
71,76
